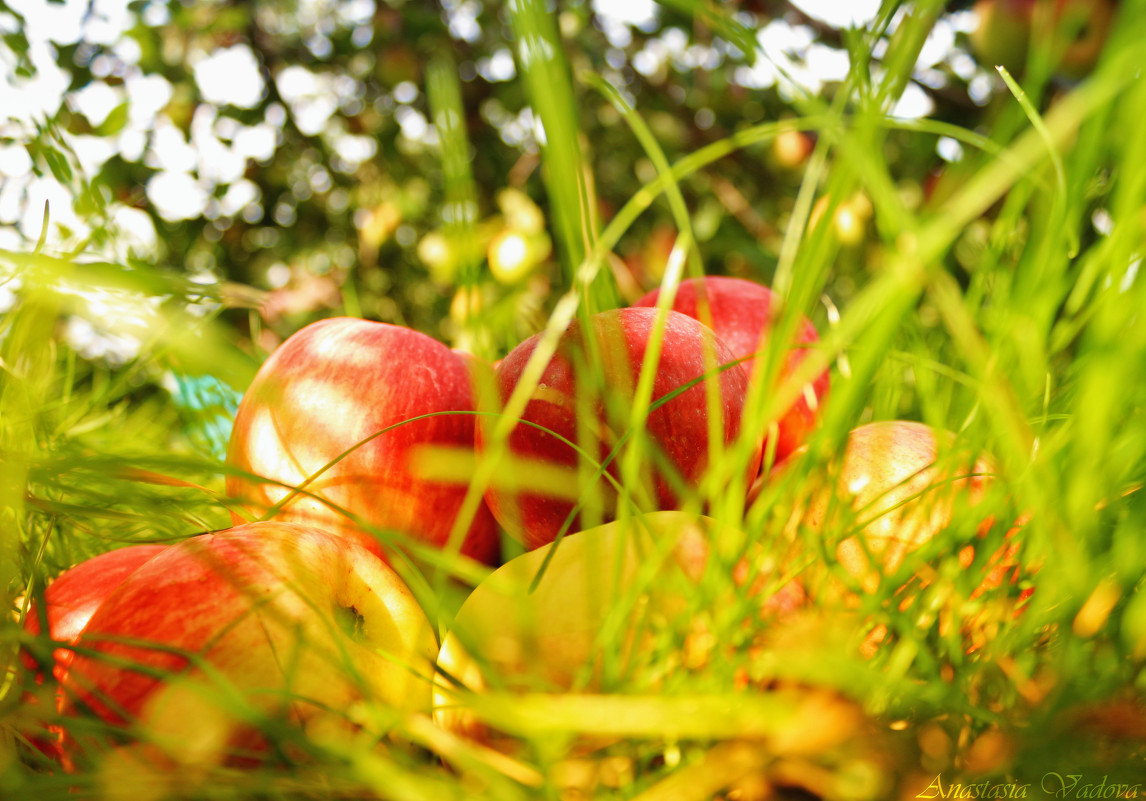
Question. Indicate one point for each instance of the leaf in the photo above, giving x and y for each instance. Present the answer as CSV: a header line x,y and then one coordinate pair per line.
x,y
115,122
58,163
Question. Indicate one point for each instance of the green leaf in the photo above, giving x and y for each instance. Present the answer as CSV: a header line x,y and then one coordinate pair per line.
x,y
542,64
115,122
58,163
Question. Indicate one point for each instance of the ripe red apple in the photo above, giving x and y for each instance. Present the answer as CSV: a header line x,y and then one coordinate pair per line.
x,y
512,635
588,400
1008,28
316,416
67,605
896,486
223,632
72,598
743,314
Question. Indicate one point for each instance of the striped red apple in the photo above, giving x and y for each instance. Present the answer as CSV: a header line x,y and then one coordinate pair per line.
x,y
330,429
194,656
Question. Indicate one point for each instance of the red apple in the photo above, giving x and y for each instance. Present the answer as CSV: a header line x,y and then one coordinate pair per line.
x,y
72,598
67,605
327,412
267,622
743,314
588,400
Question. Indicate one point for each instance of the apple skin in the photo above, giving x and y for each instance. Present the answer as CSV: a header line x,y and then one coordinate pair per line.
x,y
512,636
614,580
1006,28
893,481
67,605
679,428
73,597
791,149
896,486
332,385
294,622
743,314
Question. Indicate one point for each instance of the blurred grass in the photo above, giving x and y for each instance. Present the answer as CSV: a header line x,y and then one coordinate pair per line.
x,y
540,55
460,207
1033,351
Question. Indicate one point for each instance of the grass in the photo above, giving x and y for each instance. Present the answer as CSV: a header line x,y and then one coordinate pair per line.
x,y
997,312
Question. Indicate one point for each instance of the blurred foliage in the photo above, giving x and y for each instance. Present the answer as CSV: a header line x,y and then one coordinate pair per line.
x,y
972,261
325,189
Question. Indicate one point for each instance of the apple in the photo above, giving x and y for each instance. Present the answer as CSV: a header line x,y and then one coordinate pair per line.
x,y
514,254
743,314
72,598
67,605
194,655
584,615
586,400
1007,28
317,415
849,220
574,630
791,149
897,486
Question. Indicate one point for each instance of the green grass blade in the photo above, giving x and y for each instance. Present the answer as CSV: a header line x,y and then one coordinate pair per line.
x,y
542,64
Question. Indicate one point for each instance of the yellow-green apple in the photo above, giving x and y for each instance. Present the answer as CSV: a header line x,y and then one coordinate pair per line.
x,y
569,626
743,315
66,606
332,413
1074,30
896,486
586,396
514,254
222,637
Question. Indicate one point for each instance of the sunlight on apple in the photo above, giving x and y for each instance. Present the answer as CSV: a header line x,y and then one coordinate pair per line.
x,y
346,402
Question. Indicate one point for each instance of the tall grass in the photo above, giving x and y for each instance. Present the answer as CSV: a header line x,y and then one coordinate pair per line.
x,y
1000,312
